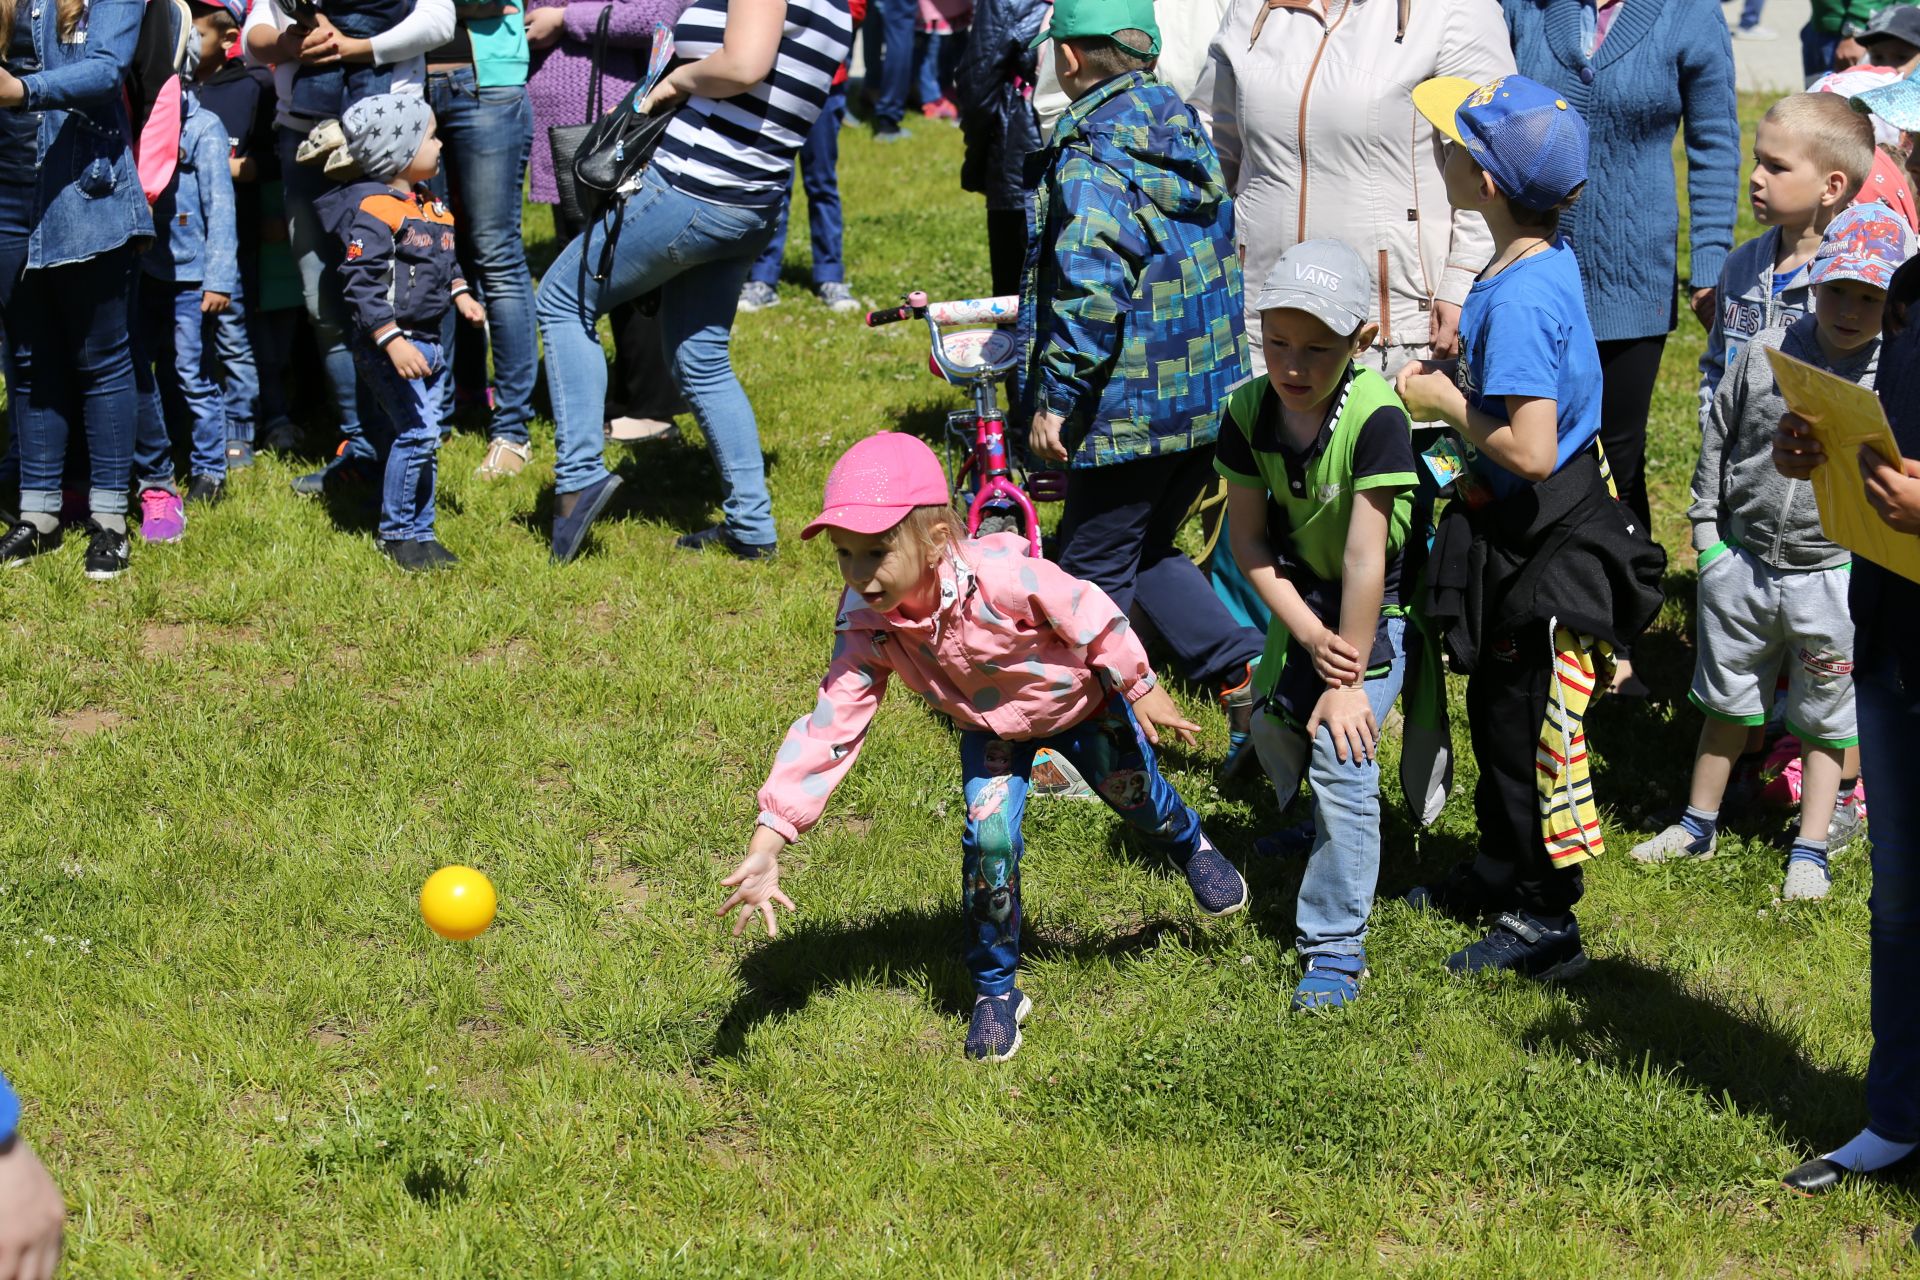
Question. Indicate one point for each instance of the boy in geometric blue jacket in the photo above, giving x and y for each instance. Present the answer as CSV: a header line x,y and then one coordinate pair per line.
x,y
398,275
1132,306
191,273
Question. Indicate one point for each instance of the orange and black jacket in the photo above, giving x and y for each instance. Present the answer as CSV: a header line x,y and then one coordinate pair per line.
x,y
399,271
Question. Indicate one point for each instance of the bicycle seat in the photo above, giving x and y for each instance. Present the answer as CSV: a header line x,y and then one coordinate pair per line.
x,y
978,352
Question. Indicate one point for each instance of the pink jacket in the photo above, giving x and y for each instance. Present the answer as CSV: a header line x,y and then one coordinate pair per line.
x,y
1017,647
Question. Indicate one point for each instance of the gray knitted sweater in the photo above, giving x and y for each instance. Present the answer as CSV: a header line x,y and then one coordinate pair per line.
x,y
1737,495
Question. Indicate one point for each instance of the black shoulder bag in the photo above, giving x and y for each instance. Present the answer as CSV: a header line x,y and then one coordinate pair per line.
x,y
564,140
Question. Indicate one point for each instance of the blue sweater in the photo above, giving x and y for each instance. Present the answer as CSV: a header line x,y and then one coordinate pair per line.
x,y
1664,63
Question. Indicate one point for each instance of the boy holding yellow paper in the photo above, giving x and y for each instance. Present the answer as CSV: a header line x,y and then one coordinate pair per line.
x,y
1773,588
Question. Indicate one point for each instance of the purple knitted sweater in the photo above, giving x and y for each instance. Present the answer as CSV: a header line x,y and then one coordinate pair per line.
x,y
558,83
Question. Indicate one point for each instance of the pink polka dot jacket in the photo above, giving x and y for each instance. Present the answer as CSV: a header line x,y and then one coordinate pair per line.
x,y
1018,647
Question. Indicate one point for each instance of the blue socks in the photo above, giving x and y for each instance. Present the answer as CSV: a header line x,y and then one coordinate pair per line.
x,y
1808,851
1701,826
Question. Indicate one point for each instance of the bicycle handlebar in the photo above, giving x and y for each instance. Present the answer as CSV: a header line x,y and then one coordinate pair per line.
x,y
1002,310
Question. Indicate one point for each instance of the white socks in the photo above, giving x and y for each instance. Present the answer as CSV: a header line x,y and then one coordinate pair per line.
x,y
1869,1151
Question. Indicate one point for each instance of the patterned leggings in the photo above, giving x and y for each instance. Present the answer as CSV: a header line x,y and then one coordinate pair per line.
x,y
1113,755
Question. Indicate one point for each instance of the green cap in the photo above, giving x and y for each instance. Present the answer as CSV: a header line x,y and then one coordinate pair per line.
x,y
1088,19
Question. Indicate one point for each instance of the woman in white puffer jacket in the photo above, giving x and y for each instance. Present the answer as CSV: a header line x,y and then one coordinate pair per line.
x,y
1311,106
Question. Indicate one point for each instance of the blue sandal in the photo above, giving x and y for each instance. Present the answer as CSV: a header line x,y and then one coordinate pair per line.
x,y
1330,982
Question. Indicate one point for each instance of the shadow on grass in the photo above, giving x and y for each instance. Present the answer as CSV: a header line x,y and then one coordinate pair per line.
x,y
675,483
1636,1018
912,947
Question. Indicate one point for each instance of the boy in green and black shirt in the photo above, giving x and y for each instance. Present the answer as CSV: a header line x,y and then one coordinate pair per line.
x,y
1320,461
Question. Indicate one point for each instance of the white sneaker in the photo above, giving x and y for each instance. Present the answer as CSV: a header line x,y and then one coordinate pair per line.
x,y
755,296
1806,880
1755,33
838,297
1673,844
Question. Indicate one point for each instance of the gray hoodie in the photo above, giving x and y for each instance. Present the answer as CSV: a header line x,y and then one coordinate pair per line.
x,y
1745,304
1737,494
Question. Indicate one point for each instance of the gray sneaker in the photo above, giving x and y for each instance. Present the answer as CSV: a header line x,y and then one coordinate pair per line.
x,y
1846,825
838,297
1806,880
1674,843
755,296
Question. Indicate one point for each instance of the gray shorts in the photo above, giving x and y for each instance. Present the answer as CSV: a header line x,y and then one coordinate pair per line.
x,y
1754,621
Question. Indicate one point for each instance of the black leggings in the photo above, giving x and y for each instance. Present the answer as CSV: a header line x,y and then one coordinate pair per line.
x,y
1629,367
1007,248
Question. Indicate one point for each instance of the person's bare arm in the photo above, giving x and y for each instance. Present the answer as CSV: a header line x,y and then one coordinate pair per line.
x,y
744,58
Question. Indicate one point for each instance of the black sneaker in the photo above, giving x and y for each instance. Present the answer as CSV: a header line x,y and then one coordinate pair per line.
x,y
1461,895
23,542
106,553
207,490
889,131
1522,944
434,556
718,539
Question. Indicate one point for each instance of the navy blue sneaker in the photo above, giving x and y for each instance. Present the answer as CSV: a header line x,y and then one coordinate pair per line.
x,y
719,539
1218,889
994,1035
1330,982
1521,944
574,514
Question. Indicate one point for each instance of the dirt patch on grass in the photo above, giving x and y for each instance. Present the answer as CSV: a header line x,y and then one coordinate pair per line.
x,y
624,883
328,1034
164,639
513,652
87,721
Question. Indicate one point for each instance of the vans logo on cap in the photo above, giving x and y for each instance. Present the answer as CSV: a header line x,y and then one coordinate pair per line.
x,y
1319,277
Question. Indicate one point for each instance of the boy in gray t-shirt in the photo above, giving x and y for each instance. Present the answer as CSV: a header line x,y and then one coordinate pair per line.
x,y
1773,589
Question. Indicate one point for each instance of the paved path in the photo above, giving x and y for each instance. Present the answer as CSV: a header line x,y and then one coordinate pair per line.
x,y
1772,66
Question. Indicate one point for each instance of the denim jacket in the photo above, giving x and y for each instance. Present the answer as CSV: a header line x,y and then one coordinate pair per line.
x,y
1132,298
88,198
195,237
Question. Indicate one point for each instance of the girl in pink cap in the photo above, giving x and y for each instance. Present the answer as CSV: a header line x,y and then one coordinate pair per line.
x,y
1021,657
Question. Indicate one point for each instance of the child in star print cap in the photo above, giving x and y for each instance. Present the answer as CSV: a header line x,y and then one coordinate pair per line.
x,y
1020,656
398,274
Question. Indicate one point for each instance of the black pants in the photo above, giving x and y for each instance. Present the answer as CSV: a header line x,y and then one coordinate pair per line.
x,y
1630,367
1006,248
1117,531
641,384
1506,703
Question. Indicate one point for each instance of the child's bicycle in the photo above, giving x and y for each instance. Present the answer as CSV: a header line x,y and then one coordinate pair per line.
x,y
980,359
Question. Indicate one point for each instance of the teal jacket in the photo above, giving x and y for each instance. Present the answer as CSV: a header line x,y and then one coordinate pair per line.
x,y
499,47
1131,305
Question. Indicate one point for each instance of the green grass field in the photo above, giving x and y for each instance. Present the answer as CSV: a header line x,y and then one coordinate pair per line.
x,y
243,1054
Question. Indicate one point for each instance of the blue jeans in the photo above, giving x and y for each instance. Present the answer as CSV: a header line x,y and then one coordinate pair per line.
x,y
70,358
1336,894
240,384
1115,758
820,177
697,253
406,436
927,74
1889,725
1117,531
890,23
317,254
488,134
173,334
272,336
1816,58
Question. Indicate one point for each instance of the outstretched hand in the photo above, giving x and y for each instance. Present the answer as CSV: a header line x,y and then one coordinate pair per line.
x,y
756,883
1156,711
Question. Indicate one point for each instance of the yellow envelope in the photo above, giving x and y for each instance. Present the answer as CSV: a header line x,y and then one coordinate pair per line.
x,y
1844,416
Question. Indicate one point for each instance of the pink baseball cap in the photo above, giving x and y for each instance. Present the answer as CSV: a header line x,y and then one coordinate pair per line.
x,y
877,482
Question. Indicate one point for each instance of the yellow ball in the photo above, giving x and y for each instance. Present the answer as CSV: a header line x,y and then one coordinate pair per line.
x,y
457,902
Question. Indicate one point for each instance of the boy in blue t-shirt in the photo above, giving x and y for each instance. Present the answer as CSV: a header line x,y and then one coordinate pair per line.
x,y
1537,573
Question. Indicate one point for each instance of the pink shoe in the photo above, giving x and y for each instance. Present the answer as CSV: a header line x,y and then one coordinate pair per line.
x,y
940,109
163,517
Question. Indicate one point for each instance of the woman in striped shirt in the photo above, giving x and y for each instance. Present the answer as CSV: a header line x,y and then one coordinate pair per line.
x,y
702,212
